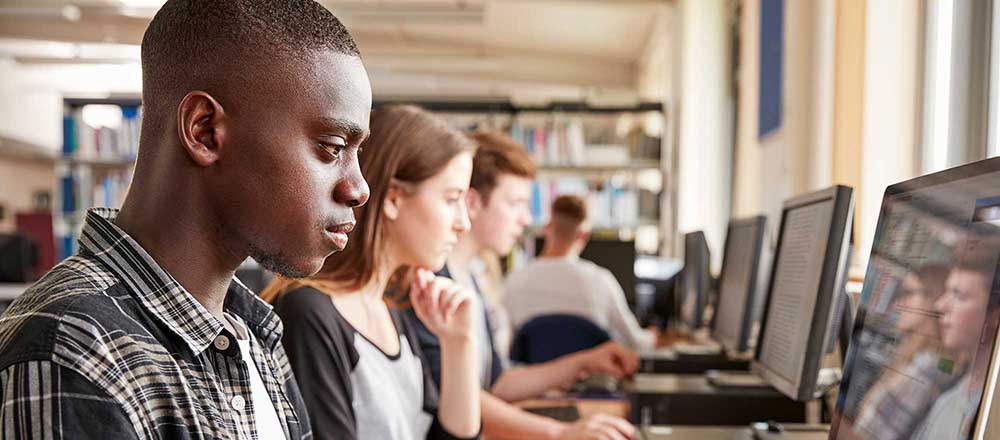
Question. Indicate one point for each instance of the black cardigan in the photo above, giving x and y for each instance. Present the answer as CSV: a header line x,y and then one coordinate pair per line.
x,y
320,347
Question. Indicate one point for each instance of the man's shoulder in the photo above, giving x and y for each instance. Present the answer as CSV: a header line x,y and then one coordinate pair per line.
x,y
76,311
550,268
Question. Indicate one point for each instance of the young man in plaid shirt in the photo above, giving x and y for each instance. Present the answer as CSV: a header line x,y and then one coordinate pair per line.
x,y
253,114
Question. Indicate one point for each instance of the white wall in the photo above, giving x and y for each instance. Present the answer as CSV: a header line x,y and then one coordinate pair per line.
x,y
798,156
704,105
31,96
891,107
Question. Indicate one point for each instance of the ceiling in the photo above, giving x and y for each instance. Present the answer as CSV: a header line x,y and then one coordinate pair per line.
x,y
550,49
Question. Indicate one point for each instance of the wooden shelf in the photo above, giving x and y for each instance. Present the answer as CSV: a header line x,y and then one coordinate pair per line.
x,y
472,105
9,292
15,149
634,166
127,101
109,164
602,229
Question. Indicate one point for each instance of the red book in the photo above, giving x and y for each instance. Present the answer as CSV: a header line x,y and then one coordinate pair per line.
x,y
37,226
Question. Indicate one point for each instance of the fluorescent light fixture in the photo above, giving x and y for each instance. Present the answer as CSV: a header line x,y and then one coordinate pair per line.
x,y
66,12
57,52
409,12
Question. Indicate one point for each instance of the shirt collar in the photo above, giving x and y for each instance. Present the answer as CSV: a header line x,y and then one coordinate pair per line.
x,y
161,294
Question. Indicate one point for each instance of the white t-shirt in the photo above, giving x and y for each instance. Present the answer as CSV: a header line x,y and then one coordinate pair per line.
x,y
569,285
268,425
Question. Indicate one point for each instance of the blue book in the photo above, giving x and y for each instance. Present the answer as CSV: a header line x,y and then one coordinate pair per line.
x,y
67,248
69,135
68,194
536,202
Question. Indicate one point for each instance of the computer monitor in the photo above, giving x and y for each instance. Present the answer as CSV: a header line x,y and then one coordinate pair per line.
x,y
922,360
655,282
18,257
809,271
738,308
696,280
617,256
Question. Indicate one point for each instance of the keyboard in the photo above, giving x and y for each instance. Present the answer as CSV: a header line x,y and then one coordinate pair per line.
x,y
721,379
562,413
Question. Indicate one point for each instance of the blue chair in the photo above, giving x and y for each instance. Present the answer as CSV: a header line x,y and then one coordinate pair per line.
x,y
547,337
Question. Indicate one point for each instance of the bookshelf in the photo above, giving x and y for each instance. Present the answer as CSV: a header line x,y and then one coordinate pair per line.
x,y
100,143
613,156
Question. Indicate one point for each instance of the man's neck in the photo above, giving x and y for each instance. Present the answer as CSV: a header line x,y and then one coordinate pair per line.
x,y
186,245
557,250
465,251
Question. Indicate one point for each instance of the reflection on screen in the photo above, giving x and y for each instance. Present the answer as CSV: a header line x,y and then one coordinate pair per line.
x,y
734,286
928,316
799,266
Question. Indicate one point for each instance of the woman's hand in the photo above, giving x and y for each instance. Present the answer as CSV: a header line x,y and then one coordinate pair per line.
x,y
445,307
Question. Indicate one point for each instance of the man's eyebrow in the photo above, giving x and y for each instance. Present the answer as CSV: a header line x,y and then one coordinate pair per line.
x,y
353,130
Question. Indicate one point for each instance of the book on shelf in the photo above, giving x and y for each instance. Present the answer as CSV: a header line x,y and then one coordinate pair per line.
x,y
567,141
82,186
85,142
611,203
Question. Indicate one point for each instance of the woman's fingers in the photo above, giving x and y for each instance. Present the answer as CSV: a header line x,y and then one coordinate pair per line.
x,y
455,300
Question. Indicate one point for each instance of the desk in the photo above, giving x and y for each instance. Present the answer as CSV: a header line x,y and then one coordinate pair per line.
x,y
670,338
620,408
695,433
587,407
808,432
691,400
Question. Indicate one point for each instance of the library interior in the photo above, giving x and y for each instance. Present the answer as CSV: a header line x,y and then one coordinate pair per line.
x,y
500,219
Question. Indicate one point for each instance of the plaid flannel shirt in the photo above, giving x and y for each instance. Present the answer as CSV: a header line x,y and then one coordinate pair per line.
x,y
108,345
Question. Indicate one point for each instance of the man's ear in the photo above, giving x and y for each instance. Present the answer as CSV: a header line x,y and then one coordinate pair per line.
x,y
475,203
201,127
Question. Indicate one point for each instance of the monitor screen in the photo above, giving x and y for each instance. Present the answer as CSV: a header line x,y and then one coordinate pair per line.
x,y
927,321
809,270
695,280
735,313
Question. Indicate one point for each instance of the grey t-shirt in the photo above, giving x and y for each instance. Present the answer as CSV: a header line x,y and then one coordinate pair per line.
x,y
351,388
388,393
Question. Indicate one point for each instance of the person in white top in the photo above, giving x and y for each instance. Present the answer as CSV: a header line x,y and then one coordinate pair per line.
x,y
499,200
559,282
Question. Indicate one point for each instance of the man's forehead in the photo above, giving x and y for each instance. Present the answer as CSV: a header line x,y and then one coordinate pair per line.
x,y
337,86
512,183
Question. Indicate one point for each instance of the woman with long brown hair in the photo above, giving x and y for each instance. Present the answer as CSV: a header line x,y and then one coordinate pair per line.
x,y
357,361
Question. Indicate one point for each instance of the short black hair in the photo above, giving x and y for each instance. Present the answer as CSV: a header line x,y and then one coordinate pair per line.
x,y
197,44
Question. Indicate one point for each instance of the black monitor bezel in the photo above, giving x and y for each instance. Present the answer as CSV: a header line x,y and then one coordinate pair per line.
x,y
759,223
834,266
705,282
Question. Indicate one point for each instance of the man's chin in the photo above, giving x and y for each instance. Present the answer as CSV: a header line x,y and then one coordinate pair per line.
x,y
289,269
